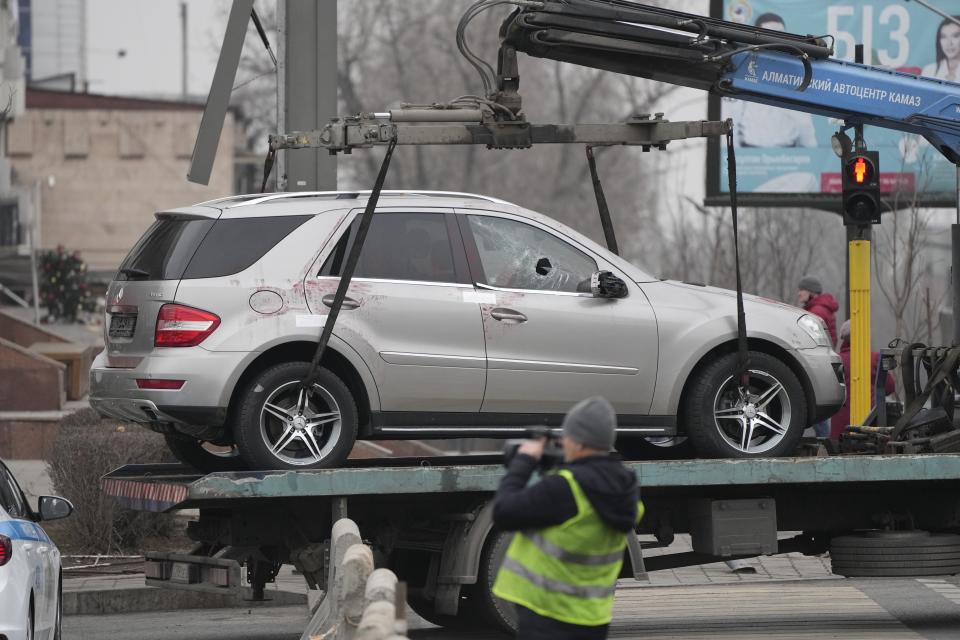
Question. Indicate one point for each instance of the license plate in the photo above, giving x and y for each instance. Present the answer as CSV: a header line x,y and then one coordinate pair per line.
x,y
122,326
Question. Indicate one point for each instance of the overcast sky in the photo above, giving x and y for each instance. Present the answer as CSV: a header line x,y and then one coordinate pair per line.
x,y
149,32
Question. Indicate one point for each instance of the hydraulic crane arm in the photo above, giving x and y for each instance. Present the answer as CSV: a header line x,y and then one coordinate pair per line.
x,y
729,59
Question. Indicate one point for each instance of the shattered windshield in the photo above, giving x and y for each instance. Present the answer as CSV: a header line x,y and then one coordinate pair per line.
x,y
515,255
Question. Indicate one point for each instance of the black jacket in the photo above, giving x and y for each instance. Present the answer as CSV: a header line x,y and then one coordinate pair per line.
x,y
609,486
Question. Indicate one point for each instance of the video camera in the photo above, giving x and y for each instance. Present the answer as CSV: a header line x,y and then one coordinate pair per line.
x,y
552,453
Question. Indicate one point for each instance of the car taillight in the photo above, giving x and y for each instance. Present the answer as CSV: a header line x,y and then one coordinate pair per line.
x,y
6,550
180,326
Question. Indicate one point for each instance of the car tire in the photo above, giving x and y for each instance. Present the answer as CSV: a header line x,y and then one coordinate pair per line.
x,y
768,422
192,453
272,433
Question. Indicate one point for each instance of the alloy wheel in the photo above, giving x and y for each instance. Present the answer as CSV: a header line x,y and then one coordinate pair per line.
x,y
754,419
300,428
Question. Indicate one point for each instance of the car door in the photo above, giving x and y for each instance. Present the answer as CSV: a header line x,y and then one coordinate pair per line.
x,y
27,540
410,312
549,345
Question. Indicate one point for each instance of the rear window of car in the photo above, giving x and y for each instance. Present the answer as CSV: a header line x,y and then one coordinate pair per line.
x,y
164,250
233,245
189,248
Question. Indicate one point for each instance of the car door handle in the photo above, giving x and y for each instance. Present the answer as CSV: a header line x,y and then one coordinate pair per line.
x,y
348,303
508,315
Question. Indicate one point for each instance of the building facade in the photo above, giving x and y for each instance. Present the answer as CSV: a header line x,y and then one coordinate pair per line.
x,y
96,168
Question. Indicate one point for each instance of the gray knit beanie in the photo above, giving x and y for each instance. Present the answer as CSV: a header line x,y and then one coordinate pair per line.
x,y
592,423
811,284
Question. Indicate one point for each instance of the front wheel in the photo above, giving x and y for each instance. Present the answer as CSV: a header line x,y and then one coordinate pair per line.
x,y
282,426
764,418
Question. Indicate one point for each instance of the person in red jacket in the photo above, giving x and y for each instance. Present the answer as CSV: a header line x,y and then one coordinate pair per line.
x,y
811,297
840,420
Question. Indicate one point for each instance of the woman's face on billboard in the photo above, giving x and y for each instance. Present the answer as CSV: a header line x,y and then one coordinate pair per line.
x,y
950,41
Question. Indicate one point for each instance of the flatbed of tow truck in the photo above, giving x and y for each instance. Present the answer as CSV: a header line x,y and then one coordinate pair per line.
x,y
164,487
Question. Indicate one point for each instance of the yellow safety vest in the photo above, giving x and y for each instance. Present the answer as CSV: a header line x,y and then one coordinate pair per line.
x,y
569,571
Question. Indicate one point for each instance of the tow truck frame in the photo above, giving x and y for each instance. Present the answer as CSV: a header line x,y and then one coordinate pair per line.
x,y
430,519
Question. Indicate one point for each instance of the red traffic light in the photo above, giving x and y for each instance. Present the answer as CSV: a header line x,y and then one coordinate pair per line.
x,y
860,170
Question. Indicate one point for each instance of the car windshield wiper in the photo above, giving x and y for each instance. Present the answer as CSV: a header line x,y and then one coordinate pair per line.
x,y
134,273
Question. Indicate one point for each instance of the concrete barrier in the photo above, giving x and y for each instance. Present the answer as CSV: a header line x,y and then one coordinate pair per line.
x,y
359,602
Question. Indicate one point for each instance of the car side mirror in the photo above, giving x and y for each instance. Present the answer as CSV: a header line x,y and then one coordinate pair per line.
x,y
54,508
604,284
543,266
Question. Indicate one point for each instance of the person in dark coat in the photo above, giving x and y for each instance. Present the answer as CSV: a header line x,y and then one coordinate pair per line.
x,y
810,297
592,492
841,420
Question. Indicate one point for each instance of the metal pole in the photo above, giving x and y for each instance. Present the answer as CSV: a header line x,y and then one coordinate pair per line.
x,y
281,171
859,331
34,227
183,49
955,266
310,89
858,251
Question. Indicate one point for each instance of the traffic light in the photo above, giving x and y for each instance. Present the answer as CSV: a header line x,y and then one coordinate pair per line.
x,y
861,188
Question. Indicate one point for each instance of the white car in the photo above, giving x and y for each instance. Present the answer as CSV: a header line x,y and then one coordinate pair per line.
x,y
30,576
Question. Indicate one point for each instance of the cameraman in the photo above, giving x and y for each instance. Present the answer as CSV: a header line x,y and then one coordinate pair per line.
x,y
562,566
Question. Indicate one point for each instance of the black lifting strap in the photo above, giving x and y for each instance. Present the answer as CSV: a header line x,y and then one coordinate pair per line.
x,y
743,354
267,168
348,269
605,221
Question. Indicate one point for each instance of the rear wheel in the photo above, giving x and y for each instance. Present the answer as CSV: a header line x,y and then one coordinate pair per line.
x,y
282,426
895,553
766,418
203,456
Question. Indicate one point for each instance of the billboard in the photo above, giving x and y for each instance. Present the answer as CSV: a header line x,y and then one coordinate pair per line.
x,y
784,157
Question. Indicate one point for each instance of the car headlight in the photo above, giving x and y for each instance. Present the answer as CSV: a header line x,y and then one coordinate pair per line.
x,y
814,327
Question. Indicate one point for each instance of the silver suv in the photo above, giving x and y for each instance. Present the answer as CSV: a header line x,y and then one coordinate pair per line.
x,y
467,317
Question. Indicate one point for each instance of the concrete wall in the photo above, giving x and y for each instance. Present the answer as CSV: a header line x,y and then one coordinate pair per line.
x,y
112,169
31,382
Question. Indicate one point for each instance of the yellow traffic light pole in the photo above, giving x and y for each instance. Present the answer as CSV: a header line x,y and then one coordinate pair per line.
x,y
859,251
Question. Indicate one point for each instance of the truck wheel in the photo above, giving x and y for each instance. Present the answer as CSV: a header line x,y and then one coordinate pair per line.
x,y
885,554
766,420
496,613
281,427
195,454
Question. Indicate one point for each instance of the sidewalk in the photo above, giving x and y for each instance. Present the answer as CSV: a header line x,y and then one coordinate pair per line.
x,y
128,593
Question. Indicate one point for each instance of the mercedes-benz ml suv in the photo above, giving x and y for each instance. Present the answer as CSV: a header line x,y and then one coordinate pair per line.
x,y
467,317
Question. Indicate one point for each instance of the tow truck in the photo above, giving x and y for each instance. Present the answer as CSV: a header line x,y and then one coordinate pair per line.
x,y
429,519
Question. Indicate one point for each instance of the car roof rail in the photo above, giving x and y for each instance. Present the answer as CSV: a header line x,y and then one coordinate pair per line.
x,y
233,202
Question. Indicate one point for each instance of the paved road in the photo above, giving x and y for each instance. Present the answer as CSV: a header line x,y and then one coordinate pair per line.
x,y
876,609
